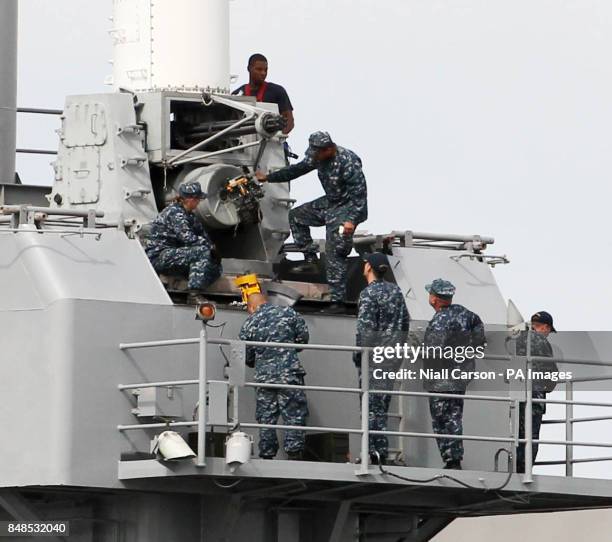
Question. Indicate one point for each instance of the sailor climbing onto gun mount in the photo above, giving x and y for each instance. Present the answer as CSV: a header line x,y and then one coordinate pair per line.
x,y
341,210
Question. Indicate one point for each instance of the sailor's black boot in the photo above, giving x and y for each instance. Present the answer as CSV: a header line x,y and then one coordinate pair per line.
x,y
334,308
195,297
309,265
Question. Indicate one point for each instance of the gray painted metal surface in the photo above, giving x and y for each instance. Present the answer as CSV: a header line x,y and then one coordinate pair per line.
x,y
70,302
8,89
83,304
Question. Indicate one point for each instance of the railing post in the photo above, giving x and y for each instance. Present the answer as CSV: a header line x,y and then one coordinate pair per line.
x,y
235,405
365,412
201,460
569,429
516,406
528,422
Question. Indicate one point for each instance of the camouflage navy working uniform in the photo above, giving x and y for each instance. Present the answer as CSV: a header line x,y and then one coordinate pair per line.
x,y
345,200
178,243
270,323
382,320
539,347
451,326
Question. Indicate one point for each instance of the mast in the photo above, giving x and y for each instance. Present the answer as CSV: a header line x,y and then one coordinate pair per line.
x,y
8,89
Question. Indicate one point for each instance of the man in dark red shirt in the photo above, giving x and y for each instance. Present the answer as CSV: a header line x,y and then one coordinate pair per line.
x,y
265,91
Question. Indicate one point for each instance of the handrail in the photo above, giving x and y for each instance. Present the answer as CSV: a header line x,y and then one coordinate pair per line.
x,y
365,393
16,209
227,342
35,151
343,348
574,461
39,111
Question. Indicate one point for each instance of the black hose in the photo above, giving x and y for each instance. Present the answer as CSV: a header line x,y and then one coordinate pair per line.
x,y
445,476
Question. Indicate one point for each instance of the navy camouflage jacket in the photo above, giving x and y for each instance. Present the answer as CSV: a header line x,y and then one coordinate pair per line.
x,y
382,319
453,326
539,347
342,179
175,227
271,323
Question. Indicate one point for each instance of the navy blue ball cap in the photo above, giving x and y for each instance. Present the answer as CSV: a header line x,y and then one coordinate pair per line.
x,y
378,261
191,190
544,317
441,288
320,140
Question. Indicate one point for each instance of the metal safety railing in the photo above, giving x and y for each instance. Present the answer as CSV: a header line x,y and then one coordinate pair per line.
x,y
569,461
38,111
26,218
365,391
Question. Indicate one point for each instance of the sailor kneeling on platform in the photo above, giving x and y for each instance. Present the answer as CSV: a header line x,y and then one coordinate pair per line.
x,y
178,243
271,323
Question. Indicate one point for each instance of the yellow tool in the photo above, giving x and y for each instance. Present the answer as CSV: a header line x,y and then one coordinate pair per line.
x,y
239,184
248,285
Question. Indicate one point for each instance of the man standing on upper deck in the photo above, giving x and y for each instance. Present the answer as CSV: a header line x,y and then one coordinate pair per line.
x,y
541,326
274,324
265,91
455,326
382,321
341,210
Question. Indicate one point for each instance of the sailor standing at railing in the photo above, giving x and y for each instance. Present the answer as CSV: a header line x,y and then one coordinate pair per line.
x,y
271,323
382,320
541,325
455,326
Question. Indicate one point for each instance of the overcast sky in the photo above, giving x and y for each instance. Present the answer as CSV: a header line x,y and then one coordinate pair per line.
x,y
476,116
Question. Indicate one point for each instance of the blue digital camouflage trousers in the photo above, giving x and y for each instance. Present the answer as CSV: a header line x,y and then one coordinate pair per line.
x,y
379,405
194,261
337,247
538,410
292,406
447,419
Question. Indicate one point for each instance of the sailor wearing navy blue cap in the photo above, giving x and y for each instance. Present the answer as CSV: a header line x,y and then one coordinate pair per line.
x,y
178,243
341,210
382,320
542,325
452,325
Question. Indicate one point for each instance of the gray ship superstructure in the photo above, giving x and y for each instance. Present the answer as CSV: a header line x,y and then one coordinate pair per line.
x,y
101,355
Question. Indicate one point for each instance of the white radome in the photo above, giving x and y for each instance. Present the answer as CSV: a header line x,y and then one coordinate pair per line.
x,y
170,44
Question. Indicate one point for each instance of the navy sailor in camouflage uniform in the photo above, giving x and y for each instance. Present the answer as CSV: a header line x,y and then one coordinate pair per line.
x,y
455,326
541,325
178,243
271,323
343,207
382,320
